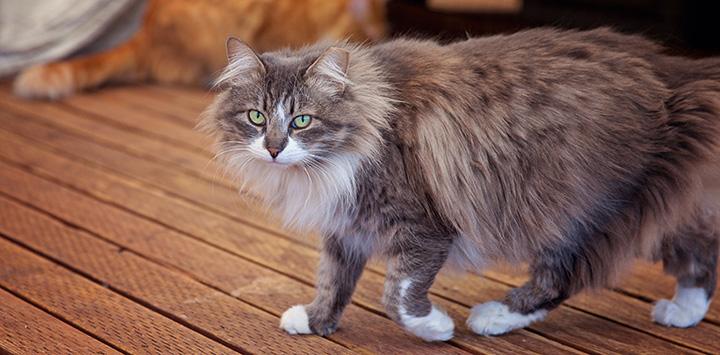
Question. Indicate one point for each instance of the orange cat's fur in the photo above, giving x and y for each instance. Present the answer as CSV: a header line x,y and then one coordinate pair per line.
x,y
182,41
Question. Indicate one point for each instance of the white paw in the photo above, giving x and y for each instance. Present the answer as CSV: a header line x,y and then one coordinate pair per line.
x,y
436,326
687,309
295,320
495,318
45,81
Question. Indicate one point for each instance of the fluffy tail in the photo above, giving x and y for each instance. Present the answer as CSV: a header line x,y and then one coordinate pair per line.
x,y
59,79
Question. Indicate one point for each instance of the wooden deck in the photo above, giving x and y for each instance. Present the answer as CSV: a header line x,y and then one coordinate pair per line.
x,y
118,235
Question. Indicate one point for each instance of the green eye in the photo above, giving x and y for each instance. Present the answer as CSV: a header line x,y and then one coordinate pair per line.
x,y
302,121
256,118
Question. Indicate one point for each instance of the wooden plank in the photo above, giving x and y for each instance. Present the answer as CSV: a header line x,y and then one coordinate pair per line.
x,y
154,104
167,129
189,187
25,329
192,162
95,309
263,288
225,192
189,97
214,313
263,242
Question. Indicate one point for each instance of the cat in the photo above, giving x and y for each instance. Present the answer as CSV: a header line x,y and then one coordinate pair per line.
x,y
176,42
575,151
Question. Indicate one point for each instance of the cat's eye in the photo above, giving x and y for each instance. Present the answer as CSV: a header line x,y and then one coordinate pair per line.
x,y
300,122
256,117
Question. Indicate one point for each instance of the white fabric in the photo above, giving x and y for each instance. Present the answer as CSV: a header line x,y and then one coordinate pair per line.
x,y
37,31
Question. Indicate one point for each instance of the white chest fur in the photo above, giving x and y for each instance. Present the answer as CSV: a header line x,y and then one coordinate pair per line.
x,y
305,198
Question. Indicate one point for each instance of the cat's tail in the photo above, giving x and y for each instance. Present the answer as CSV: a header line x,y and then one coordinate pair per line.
x,y
59,79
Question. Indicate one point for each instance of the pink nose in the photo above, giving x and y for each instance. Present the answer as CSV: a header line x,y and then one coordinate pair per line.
x,y
273,152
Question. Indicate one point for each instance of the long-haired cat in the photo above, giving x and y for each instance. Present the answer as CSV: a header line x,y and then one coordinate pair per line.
x,y
575,151
177,42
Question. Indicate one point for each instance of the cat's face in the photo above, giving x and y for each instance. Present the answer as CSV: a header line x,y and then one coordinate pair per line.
x,y
287,111
294,128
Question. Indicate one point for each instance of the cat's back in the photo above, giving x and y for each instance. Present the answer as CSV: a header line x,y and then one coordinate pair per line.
x,y
580,45
519,135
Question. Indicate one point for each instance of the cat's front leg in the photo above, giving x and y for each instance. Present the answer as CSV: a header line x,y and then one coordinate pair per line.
x,y
341,265
415,261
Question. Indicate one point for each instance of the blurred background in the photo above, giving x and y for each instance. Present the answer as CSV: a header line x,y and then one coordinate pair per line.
x,y
60,47
691,26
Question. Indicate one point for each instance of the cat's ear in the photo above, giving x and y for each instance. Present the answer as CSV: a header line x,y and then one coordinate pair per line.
x,y
239,51
243,63
329,72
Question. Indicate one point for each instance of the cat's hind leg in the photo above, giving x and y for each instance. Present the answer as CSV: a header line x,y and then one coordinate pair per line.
x,y
691,256
550,284
556,273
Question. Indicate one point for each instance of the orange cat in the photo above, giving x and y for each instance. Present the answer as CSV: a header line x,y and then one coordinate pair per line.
x,y
182,41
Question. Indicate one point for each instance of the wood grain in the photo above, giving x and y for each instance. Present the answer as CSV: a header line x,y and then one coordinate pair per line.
x,y
25,329
95,309
164,128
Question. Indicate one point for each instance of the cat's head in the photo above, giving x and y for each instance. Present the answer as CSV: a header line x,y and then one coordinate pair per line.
x,y
313,114
291,108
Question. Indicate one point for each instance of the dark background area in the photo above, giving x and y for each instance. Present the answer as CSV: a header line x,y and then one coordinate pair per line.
x,y
690,27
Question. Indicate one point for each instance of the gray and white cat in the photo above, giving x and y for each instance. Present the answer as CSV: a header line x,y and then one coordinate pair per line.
x,y
575,151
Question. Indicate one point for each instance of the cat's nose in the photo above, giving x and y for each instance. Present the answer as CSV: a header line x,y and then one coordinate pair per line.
x,y
274,152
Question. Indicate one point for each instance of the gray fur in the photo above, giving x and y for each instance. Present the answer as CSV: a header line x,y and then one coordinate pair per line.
x,y
577,151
